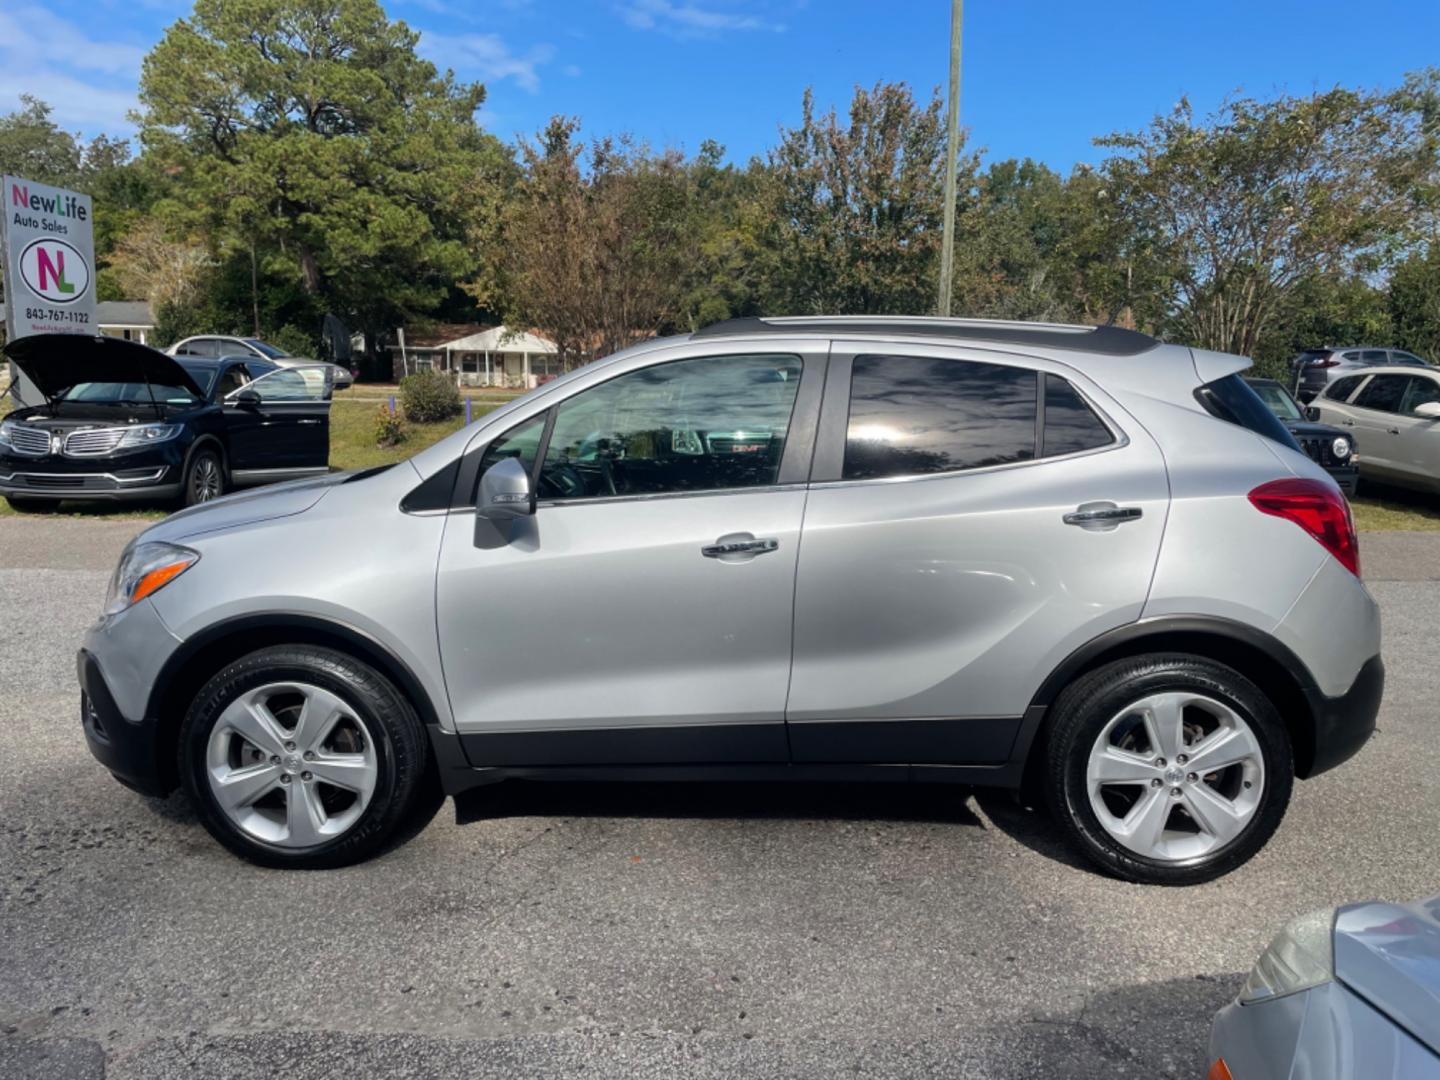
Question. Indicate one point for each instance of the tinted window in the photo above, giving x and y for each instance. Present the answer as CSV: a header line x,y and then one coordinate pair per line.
x,y
1383,393
1341,389
1231,399
1419,392
232,379
913,415
1408,359
203,374
1070,424
1375,356
1353,357
690,425
521,441
274,352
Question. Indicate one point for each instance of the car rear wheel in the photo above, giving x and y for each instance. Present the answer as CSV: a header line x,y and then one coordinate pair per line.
x,y
301,756
1168,769
204,477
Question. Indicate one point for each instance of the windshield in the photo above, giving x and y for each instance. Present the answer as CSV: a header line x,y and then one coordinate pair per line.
x,y
1278,400
272,351
203,374
127,393
1232,399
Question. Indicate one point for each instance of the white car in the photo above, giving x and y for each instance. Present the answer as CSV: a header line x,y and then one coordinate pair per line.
x,y
1395,415
213,346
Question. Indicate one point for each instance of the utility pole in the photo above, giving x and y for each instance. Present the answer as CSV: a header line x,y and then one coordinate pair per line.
x,y
952,150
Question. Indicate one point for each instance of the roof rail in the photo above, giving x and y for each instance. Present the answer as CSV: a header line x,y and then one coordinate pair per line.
x,y
1107,340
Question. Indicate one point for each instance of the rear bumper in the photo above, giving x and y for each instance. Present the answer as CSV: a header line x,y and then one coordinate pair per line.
x,y
1344,724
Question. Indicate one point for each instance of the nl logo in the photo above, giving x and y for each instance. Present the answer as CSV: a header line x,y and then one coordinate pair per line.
x,y
54,271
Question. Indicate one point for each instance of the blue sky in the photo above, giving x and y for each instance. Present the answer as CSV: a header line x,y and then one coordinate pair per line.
x,y
1041,77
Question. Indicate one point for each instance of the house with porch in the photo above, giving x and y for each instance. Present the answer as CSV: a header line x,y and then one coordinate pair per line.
x,y
478,355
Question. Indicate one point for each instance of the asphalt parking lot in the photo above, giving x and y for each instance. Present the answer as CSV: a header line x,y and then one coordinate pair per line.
x,y
645,931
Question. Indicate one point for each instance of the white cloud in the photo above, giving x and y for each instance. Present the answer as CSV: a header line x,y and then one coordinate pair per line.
x,y
487,56
90,84
689,19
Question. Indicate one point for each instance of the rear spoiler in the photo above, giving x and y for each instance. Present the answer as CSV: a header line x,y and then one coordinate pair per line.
x,y
1210,366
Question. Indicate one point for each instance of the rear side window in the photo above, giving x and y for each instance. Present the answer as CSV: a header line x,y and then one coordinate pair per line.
x,y
1232,399
1341,389
912,416
1383,393
1070,424
1375,356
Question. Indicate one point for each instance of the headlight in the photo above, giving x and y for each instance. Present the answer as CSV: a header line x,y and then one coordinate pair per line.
x,y
145,569
5,428
1301,956
145,434
1340,447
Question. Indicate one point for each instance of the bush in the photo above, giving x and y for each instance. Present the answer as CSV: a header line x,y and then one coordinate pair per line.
x,y
389,427
428,396
295,341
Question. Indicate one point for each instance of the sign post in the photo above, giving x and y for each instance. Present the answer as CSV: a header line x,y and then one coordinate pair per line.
x,y
49,259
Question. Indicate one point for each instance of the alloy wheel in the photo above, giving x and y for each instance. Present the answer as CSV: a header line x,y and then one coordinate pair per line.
x,y
205,479
1176,776
291,764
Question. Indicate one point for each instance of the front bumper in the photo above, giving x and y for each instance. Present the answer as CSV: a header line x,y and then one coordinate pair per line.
x,y
127,749
1346,476
142,483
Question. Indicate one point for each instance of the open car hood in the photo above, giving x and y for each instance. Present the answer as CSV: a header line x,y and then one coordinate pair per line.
x,y
1390,955
56,362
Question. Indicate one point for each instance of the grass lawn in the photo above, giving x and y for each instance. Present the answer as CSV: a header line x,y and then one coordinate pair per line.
x,y
1395,508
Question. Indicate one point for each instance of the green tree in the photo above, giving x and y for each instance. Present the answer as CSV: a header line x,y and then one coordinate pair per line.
x,y
320,153
856,207
1414,303
1247,205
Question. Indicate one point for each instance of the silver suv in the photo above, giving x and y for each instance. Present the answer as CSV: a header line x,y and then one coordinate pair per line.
x,y
1065,560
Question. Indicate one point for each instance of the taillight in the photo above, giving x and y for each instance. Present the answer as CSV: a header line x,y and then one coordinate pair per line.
x,y
1325,363
1319,509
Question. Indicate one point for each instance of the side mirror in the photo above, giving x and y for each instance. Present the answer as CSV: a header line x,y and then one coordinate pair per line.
x,y
505,496
246,399
1312,413
1429,410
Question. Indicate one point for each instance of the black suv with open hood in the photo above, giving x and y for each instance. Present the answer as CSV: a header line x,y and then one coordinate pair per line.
x,y
123,421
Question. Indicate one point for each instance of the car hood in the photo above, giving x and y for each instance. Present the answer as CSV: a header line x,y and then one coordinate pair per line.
x,y
1389,954
56,362
246,508
1313,430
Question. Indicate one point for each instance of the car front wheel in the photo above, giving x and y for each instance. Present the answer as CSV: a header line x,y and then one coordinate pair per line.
x,y
1168,769
204,477
301,756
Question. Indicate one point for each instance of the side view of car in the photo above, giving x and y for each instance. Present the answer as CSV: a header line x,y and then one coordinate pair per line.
x,y
1332,448
1071,561
1317,368
215,346
1396,414
1347,994
124,422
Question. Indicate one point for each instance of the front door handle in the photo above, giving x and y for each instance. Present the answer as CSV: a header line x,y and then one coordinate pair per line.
x,y
1393,430
1348,423
736,547
1101,515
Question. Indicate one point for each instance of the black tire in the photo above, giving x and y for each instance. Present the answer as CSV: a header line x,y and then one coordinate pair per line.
x,y
1080,716
204,477
21,504
397,734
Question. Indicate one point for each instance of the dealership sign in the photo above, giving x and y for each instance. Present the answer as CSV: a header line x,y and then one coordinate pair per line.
x,y
49,263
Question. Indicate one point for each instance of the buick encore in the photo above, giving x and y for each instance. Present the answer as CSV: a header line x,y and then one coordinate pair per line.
x,y
1070,561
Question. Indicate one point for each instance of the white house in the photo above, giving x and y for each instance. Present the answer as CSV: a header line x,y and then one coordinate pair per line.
x,y
479,355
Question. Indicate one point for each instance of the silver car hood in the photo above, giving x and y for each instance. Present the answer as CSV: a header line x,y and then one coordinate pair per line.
x,y
246,508
1389,954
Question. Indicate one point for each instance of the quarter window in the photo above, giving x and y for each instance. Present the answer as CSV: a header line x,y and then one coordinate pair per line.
x,y
1341,389
708,424
912,416
521,442
1383,393
1070,424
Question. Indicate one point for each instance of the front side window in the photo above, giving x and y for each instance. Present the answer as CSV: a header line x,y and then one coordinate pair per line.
x,y
521,442
707,424
1421,391
1278,400
293,385
1383,393
1070,424
910,416
1408,359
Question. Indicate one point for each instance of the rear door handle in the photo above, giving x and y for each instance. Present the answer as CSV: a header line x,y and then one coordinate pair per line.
x,y
736,547
1101,515
1348,423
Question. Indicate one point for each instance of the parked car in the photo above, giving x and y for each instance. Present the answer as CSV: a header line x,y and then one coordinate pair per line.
x,y
122,421
1334,449
214,346
1347,994
1068,560
1397,416
1317,368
